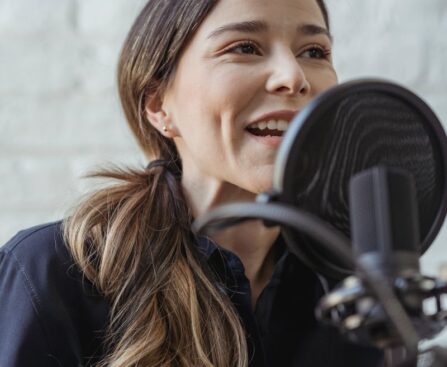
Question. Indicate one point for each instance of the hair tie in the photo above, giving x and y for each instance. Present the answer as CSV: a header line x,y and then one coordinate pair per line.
x,y
170,165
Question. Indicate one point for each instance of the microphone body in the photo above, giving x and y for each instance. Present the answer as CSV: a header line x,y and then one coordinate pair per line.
x,y
384,220
385,226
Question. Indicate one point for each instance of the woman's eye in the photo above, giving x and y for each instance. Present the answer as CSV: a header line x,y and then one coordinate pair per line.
x,y
316,53
246,48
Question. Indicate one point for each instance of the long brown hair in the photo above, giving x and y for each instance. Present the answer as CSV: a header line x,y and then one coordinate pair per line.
x,y
133,240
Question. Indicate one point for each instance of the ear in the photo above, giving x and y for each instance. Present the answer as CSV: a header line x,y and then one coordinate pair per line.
x,y
158,118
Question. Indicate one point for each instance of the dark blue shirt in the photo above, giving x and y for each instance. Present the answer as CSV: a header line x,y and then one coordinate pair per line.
x,y
51,316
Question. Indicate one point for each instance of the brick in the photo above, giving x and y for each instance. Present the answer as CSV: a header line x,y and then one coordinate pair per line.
x,y
436,55
399,45
22,17
105,17
413,15
39,65
82,165
98,59
33,182
47,182
379,59
58,65
352,16
43,189
64,123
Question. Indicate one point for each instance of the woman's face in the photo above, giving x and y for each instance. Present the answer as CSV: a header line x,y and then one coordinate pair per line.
x,y
250,67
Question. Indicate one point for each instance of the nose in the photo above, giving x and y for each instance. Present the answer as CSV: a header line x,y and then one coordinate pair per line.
x,y
286,76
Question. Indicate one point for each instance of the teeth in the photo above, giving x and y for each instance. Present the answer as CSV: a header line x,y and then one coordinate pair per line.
x,y
272,125
262,125
280,125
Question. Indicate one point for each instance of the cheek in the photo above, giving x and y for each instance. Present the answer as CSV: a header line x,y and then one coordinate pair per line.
x,y
231,87
322,79
205,104
217,102
193,115
204,95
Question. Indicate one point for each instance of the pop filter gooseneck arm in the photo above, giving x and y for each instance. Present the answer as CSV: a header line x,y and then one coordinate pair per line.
x,y
326,236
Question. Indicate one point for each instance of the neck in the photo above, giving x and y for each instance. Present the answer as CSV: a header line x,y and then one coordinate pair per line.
x,y
251,241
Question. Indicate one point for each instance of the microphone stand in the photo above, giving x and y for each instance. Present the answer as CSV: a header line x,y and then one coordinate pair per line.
x,y
357,311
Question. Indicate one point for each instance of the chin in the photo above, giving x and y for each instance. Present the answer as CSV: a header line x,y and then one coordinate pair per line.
x,y
265,181
255,179
261,184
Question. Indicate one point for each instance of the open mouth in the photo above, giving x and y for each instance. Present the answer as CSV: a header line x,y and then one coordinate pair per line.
x,y
268,128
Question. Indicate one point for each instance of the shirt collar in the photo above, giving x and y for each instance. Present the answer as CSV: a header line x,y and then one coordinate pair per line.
x,y
221,260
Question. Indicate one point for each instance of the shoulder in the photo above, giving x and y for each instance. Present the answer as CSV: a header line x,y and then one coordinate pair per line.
x,y
33,247
38,232
40,259
45,300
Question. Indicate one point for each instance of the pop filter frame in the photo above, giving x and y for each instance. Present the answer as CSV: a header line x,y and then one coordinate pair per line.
x,y
295,149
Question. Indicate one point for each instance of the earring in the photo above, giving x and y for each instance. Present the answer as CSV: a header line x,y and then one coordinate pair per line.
x,y
165,128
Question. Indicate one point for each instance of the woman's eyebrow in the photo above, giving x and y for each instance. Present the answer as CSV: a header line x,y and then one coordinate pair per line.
x,y
313,29
258,26
255,26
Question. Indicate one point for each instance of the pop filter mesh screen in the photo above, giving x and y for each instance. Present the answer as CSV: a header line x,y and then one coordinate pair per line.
x,y
364,130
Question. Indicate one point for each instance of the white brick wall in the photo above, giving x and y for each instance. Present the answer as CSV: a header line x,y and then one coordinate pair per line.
x,y
59,111
60,115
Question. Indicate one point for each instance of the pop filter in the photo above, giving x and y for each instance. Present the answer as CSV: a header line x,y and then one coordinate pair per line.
x,y
348,129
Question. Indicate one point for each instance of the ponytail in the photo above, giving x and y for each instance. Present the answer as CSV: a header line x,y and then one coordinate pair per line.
x,y
133,241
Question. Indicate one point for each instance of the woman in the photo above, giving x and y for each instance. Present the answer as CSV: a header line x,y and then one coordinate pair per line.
x,y
208,88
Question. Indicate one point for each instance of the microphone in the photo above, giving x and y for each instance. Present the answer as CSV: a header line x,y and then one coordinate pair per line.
x,y
385,241
384,221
